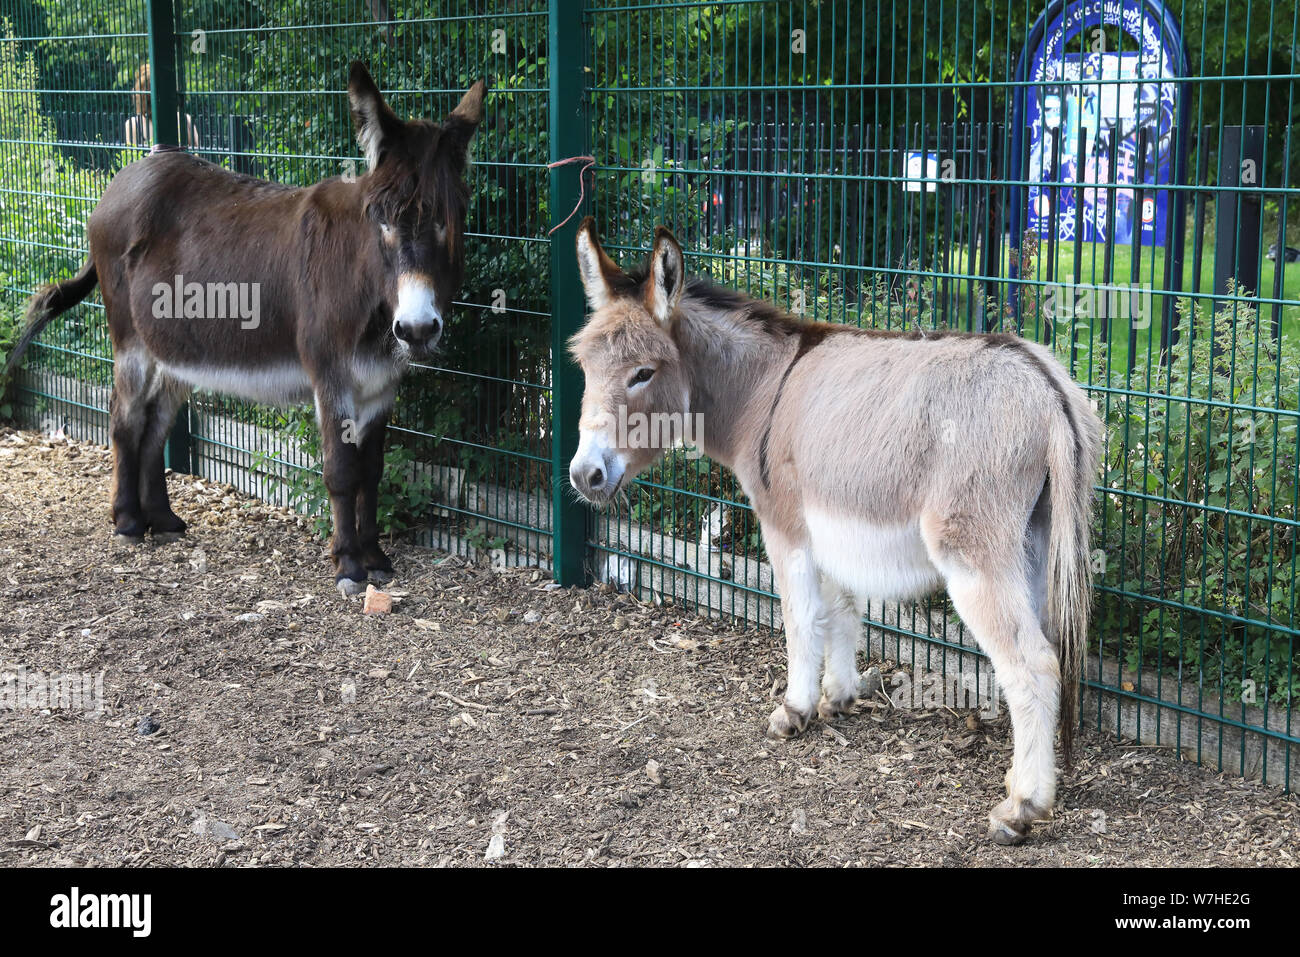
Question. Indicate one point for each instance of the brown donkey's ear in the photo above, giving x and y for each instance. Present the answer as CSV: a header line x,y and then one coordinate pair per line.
x,y
371,116
599,272
458,128
470,107
667,277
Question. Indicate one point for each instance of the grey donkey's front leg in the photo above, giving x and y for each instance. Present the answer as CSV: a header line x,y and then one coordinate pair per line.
x,y
843,628
805,614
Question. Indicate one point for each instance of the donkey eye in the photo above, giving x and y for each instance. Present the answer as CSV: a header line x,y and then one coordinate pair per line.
x,y
641,375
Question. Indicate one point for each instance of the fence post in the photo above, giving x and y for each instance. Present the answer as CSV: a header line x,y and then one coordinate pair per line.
x,y
566,50
165,107
1236,214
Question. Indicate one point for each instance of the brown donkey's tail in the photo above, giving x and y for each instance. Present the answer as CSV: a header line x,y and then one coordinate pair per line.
x,y
49,302
1073,451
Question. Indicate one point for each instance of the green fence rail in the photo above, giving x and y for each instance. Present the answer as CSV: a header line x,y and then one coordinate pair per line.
x,y
859,162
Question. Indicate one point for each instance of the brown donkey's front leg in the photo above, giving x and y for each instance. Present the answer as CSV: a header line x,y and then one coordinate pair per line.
x,y
377,565
343,473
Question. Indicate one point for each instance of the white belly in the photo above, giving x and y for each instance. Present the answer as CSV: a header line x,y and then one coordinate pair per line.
x,y
368,394
374,382
870,560
280,384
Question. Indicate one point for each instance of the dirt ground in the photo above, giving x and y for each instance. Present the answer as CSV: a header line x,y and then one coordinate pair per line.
x,y
492,717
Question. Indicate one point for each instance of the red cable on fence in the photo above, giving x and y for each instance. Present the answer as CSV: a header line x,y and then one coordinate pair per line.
x,y
582,185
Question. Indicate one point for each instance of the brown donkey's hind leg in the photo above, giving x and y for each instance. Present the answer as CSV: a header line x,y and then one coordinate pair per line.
x,y
166,397
128,416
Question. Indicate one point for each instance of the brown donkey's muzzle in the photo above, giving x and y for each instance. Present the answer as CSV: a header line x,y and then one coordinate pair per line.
x,y
420,339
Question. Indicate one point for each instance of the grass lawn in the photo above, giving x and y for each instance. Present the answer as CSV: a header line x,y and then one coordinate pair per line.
x,y
1150,271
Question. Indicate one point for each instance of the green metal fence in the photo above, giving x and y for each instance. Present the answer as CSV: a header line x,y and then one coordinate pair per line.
x,y
856,161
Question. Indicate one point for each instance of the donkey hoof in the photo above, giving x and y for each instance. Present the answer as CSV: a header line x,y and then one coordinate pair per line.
x,y
786,722
379,576
349,587
1010,821
122,539
166,538
828,710
1000,832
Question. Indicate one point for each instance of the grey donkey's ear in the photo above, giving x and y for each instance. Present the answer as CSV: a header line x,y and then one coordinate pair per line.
x,y
372,118
667,277
599,272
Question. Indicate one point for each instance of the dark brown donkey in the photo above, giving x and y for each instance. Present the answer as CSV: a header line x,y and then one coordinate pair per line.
x,y
277,294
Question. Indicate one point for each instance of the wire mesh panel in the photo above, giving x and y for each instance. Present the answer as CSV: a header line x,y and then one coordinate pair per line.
x,y
1114,195
65,95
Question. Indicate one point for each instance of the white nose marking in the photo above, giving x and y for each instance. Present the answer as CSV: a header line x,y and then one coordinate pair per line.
x,y
596,467
417,317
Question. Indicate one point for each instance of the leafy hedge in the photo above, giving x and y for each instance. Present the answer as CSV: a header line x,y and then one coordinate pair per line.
x,y
43,208
1221,437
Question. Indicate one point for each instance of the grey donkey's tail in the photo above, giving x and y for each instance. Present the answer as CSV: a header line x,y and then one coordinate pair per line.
x,y
1073,453
48,303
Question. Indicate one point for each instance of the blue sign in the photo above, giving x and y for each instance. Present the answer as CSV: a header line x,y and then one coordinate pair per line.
x,y
920,166
1085,101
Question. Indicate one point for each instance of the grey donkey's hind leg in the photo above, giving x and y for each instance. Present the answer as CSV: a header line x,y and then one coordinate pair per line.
x,y
843,629
1036,537
998,611
989,586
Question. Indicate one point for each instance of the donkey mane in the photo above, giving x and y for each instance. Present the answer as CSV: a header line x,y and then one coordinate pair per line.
x,y
709,296
436,157
712,297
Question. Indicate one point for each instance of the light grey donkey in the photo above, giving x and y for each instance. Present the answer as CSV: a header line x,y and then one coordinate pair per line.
x,y
881,465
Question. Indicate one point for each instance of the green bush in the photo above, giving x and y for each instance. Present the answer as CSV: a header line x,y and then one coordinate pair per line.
x,y
42,211
406,491
1220,437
